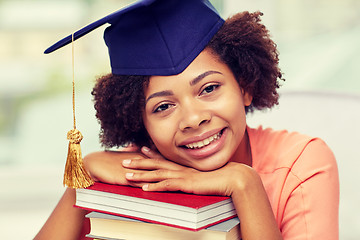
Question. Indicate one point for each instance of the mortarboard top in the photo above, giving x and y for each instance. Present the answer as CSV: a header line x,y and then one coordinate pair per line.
x,y
154,37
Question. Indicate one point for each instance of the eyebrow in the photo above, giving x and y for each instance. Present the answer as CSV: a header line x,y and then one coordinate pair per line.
x,y
160,94
192,82
202,76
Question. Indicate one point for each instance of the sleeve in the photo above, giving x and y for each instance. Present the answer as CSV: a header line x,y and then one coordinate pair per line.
x,y
311,208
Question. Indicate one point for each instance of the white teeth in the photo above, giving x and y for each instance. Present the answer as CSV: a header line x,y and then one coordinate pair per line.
x,y
204,142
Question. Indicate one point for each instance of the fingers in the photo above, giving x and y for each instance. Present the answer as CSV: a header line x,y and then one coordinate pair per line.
x,y
186,185
163,180
136,184
151,164
152,176
150,153
130,148
168,185
144,164
190,181
161,161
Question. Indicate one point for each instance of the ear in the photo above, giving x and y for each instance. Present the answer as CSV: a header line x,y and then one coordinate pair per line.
x,y
247,98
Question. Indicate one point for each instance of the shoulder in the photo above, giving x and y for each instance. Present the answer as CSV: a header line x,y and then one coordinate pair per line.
x,y
273,150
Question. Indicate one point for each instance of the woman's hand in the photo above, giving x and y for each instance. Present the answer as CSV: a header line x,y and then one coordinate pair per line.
x,y
237,180
111,166
163,175
152,172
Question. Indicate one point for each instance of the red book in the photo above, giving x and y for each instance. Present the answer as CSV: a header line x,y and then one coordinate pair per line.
x,y
178,209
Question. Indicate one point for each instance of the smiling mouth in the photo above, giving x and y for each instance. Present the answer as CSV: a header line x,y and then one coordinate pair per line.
x,y
205,142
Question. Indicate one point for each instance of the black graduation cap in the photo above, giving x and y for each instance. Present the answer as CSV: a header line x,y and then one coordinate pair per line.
x,y
155,37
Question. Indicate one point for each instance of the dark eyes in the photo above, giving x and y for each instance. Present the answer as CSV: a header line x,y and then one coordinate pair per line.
x,y
210,88
206,90
163,107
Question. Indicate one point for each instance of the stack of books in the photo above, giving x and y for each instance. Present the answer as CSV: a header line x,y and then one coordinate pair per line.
x,y
125,212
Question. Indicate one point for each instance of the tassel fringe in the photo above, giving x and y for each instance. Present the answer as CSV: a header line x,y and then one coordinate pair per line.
x,y
75,176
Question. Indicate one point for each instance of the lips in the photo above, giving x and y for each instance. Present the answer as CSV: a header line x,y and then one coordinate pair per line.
x,y
206,146
205,142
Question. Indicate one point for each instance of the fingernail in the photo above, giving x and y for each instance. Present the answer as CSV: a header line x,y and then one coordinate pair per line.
x,y
126,162
146,149
145,187
129,175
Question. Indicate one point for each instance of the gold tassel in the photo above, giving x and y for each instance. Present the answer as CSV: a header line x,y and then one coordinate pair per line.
x,y
75,176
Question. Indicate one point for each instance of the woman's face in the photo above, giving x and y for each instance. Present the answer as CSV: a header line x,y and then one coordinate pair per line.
x,y
197,118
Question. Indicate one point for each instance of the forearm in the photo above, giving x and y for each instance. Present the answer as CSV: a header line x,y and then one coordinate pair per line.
x,y
65,222
106,166
257,220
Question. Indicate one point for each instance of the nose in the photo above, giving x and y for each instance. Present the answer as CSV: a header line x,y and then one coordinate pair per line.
x,y
193,116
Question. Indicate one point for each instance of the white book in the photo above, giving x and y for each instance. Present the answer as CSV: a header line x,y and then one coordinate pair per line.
x,y
111,227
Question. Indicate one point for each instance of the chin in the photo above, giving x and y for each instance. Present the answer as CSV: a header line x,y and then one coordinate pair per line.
x,y
208,166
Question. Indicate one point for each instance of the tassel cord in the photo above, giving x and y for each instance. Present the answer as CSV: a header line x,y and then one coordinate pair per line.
x,y
75,175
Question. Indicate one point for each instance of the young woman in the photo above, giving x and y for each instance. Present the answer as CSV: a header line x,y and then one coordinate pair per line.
x,y
192,130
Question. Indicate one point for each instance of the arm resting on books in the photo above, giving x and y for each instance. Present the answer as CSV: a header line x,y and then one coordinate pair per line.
x,y
253,207
65,222
237,180
155,173
106,166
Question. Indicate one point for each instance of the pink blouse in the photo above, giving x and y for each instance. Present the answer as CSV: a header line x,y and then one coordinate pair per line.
x,y
301,179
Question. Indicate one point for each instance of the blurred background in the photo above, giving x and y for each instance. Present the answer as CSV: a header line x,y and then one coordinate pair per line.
x,y
319,50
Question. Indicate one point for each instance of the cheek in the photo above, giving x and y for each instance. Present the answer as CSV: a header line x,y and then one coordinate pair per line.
x,y
163,141
232,108
161,133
